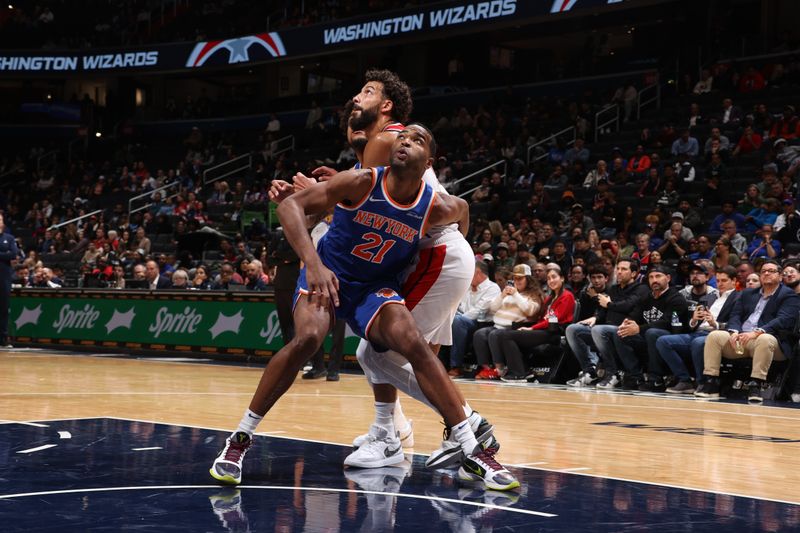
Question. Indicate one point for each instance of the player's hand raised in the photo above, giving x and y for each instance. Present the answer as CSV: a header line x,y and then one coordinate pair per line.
x,y
324,173
301,182
280,190
323,285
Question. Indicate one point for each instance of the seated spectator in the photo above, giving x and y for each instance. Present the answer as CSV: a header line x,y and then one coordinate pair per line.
x,y
257,280
180,279
730,117
728,214
579,334
749,142
764,245
639,163
724,254
155,280
704,250
669,197
716,168
518,302
704,84
473,310
117,280
685,144
710,314
723,144
481,194
557,180
600,172
698,289
787,127
684,171
695,118
226,278
139,272
578,152
752,81
577,279
790,275
760,328
766,214
675,246
201,279
559,312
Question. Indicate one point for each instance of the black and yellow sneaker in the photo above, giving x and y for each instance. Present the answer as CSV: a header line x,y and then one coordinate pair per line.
x,y
481,465
227,466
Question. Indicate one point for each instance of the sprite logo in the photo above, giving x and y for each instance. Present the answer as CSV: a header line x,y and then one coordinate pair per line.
x,y
181,322
272,329
76,318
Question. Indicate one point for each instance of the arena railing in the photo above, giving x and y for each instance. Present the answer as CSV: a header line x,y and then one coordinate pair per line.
x,y
227,168
284,144
566,131
612,111
642,101
502,162
76,219
149,195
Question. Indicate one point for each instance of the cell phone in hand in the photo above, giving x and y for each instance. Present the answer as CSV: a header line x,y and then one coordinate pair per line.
x,y
510,283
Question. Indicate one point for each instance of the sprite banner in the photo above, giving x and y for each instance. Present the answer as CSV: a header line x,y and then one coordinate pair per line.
x,y
223,323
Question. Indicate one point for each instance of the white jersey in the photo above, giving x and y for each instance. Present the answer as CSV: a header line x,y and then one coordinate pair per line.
x,y
435,232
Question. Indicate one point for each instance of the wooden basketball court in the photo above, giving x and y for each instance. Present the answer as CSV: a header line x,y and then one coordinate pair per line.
x,y
716,447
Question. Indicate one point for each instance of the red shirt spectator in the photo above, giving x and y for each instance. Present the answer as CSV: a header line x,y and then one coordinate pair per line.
x,y
749,142
751,81
788,127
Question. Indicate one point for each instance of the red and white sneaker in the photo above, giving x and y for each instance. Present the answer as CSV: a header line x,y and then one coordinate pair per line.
x,y
227,466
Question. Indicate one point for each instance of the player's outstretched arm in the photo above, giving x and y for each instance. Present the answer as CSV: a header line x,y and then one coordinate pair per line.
x,y
450,210
349,186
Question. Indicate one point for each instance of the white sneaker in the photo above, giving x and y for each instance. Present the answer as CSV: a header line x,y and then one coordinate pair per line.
x,y
584,379
796,397
449,454
609,382
406,437
381,449
482,466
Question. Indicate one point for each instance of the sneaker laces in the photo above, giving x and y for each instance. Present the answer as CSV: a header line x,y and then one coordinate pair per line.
x,y
487,456
235,450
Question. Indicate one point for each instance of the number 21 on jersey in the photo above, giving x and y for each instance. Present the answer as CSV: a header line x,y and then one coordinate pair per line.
x,y
367,250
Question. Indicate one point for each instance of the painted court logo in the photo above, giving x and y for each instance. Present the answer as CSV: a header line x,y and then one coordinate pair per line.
x,y
238,49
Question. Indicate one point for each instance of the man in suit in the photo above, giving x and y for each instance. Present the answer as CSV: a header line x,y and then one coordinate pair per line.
x,y
760,327
711,312
155,280
8,254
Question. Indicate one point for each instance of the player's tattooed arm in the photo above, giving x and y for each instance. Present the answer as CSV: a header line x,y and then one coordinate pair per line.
x,y
450,210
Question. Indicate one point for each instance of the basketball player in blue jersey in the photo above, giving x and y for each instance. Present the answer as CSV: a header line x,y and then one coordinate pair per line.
x,y
379,218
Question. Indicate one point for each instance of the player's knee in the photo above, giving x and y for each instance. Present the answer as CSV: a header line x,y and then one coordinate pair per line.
x,y
307,342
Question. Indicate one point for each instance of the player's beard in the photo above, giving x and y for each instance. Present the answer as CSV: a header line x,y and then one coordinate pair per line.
x,y
367,118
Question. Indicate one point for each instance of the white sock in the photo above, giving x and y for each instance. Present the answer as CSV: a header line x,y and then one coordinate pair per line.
x,y
249,422
465,437
467,409
400,420
384,416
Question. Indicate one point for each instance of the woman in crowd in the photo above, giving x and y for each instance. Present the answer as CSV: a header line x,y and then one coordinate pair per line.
x,y
753,281
520,301
201,280
724,254
559,312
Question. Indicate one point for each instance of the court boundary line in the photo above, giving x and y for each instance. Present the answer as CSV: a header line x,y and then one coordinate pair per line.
x,y
278,487
556,470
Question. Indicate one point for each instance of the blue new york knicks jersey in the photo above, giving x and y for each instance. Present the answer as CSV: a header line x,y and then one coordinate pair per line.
x,y
376,237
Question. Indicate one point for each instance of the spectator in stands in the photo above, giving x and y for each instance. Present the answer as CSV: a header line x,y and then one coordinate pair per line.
x,y
705,83
579,334
626,96
685,144
473,310
227,277
764,245
578,152
767,213
668,198
639,163
711,313
142,241
695,118
704,250
518,302
139,272
675,246
117,280
557,180
256,279
787,127
652,185
698,288
577,279
615,306
201,279
728,214
722,146
730,117
724,254
790,275
600,172
559,312
749,142
180,279
751,81
760,327
155,280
